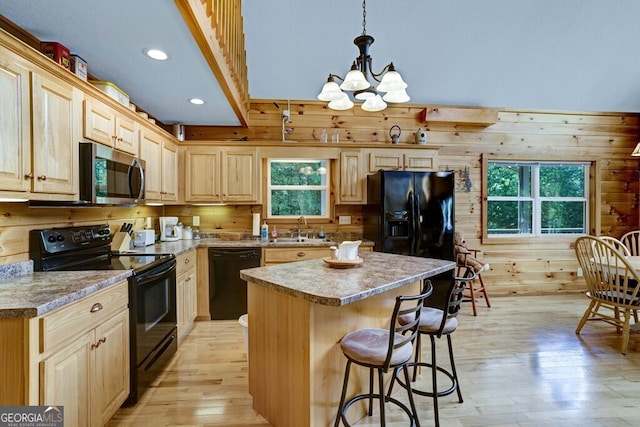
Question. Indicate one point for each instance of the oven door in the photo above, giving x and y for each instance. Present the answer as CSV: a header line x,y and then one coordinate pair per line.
x,y
153,308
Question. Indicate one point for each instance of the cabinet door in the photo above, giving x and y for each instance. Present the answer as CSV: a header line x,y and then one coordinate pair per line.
x,y
65,380
151,153
99,122
15,124
385,159
420,160
169,171
352,180
56,133
110,373
240,176
202,175
127,135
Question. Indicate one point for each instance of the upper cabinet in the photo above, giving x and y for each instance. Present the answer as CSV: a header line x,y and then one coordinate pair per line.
x,y
353,180
55,119
401,159
105,125
161,166
15,123
39,132
218,174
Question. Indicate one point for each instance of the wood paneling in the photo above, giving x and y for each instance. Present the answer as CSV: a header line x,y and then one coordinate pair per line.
x,y
533,266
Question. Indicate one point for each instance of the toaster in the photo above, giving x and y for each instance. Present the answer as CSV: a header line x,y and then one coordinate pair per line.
x,y
144,238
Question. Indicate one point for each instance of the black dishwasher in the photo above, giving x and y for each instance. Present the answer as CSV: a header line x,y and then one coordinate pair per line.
x,y
227,291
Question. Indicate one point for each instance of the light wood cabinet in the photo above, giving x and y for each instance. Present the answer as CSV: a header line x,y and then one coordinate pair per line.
x,y
56,117
353,180
217,174
186,293
15,123
84,348
273,256
399,159
105,125
161,166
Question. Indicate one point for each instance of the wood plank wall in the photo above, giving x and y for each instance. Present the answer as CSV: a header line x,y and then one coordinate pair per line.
x,y
533,266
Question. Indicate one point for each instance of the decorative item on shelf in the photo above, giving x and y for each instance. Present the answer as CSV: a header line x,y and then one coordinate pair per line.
x,y
323,136
357,80
335,136
420,136
286,119
395,137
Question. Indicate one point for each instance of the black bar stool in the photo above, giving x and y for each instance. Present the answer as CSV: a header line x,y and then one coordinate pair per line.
x,y
435,323
381,349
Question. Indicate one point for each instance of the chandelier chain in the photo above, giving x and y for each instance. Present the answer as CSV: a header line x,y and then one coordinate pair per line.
x,y
364,17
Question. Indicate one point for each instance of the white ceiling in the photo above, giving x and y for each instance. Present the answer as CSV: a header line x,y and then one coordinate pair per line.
x,y
579,55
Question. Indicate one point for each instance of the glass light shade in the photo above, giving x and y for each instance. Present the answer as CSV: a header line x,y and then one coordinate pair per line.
x,y
636,151
362,96
354,80
330,92
396,96
343,103
391,81
373,104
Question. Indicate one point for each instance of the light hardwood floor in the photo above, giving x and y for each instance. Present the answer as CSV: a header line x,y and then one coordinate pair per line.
x,y
519,362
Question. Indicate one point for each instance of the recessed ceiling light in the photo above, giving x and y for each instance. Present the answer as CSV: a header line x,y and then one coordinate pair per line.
x,y
156,54
196,101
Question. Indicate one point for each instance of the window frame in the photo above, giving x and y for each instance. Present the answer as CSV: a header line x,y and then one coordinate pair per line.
x,y
592,181
326,187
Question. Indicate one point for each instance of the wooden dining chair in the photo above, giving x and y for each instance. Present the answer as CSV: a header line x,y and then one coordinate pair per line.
x,y
612,285
616,244
631,241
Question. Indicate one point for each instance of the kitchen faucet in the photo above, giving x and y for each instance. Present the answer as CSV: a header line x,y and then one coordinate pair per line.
x,y
302,218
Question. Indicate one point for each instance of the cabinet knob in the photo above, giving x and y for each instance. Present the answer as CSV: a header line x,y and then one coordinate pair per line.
x,y
301,254
186,261
96,307
42,177
28,176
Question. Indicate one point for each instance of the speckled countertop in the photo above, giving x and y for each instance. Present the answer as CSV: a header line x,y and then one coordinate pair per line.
x,y
24,293
315,281
33,294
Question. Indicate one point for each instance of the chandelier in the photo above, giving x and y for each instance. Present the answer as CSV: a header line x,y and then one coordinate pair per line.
x,y
357,80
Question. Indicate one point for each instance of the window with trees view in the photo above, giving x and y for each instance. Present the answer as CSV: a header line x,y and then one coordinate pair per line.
x,y
537,198
298,188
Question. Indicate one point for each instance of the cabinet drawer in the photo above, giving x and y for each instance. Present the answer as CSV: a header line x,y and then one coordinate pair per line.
x,y
280,255
70,321
185,262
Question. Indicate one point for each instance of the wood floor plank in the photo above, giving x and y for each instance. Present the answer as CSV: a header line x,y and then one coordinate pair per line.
x,y
520,363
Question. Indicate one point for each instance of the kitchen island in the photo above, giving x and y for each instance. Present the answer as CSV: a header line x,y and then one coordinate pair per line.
x,y
298,312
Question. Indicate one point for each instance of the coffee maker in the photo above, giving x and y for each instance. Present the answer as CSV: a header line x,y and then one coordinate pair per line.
x,y
169,229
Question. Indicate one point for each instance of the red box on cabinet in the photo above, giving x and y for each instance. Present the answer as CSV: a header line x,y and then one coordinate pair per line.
x,y
57,52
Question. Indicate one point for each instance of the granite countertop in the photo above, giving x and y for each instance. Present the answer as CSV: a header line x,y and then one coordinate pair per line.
x,y
315,281
33,294
24,293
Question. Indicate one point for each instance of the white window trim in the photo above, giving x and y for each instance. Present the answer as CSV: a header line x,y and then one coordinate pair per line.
x,y
537,200
326,187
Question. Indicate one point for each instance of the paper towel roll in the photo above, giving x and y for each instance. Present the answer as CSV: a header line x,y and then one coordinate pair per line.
x,y
256,224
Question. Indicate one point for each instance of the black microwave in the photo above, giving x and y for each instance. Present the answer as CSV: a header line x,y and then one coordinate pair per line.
x,y
110,177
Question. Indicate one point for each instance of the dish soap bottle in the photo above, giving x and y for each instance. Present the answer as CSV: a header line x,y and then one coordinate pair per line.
x,y
274,234
264,232
321,234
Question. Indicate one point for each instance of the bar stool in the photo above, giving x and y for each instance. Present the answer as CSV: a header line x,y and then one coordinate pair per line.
x,y
381,349
435,323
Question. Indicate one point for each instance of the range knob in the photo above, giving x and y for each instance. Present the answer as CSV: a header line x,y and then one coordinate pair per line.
x,y
60,238
51,238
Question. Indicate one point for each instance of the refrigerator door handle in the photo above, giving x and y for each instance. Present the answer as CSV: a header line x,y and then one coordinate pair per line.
x,y
412,223
417,226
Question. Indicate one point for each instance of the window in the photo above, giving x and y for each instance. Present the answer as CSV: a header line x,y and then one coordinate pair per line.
x,y
298,188
537,198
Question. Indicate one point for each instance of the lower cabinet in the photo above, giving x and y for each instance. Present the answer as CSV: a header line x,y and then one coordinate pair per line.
x,y
85,357
186,293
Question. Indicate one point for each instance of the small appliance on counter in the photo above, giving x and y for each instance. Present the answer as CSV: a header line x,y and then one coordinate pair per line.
x,y
144,238
169,231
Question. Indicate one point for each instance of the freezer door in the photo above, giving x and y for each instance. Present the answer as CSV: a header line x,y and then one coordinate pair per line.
x,y
435,223
397,230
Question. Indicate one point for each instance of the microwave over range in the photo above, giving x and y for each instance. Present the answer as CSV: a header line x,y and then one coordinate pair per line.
x,y
109,177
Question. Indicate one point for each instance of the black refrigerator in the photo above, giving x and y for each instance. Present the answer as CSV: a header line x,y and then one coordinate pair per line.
x,y
412,213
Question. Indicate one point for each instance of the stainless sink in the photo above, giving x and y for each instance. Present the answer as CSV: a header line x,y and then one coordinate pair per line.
x,y
304,240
